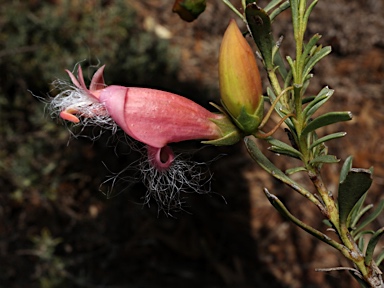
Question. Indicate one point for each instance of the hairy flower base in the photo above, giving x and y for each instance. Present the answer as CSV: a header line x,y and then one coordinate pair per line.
x,y
168,186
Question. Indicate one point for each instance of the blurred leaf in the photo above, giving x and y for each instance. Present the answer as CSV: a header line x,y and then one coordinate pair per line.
x,y
326,119
284,6
283,148
314,59
351,189
308,47
317,102
327,138
347,166
189,10
375,213
325,159
371,246
260,26
357,212
272,4
295,170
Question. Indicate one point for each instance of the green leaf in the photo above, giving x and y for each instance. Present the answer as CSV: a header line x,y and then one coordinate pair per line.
x,y
319,100
357,212
270,5
308,47
308,99
260,25
280,207
279,62
327,138
325,159
268,166
283,148
278,10
351,189
371,246
375,213
295,170
308,12
347,166
314,59
326,119
291,63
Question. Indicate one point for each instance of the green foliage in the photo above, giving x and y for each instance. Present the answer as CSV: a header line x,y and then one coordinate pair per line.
x,y
353,185
260,26
48,38
345,214
51,269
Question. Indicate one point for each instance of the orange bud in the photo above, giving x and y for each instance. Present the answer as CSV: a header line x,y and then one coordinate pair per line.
x,y
240,82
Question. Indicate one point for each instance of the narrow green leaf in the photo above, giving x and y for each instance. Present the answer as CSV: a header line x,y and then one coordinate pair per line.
x,y
295,170
285,212
347,166
319,100
375,213
270,5
308,12
327,138
326,119
354,186
361,243
371,246
361,235
308,99
314,59
312,42
268,166
325,159
279,151
283,148
279,62
260,25
358,212
278,10
291,63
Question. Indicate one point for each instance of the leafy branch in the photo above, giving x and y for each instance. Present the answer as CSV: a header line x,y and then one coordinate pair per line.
x,y
289,81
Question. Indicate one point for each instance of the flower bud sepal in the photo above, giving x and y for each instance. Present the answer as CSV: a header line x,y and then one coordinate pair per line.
x,y
230,134
246,122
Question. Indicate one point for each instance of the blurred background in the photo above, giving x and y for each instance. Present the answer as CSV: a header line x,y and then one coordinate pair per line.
x,y
57,229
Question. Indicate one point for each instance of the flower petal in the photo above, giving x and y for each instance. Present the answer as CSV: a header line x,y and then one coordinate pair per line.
x,y
97,82
157,118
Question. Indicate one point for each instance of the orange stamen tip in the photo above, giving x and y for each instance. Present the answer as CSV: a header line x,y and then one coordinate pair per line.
x,y
69,117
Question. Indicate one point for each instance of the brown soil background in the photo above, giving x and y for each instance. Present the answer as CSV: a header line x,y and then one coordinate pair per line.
x,y
239,242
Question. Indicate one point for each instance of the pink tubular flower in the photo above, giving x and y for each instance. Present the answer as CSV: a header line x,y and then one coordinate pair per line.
x,y
153,117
